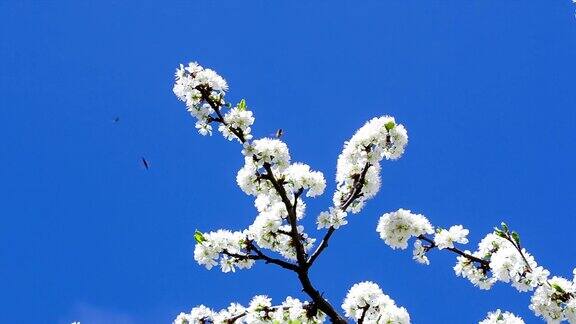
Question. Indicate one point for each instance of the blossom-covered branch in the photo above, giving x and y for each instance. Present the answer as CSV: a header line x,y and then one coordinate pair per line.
x,y
337,217
279,185
260,310
499,257
358,172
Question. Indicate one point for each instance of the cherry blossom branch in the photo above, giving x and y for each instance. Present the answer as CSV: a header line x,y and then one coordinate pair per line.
x,y
499,257
205,91
354,194
484,264
309,307
291,209
261,256
514,239
516,243
303,267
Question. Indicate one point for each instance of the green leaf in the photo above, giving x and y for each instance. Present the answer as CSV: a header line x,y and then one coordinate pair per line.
x,y
505,227
516,237
498,232
558,288
199,237
389,125
242,105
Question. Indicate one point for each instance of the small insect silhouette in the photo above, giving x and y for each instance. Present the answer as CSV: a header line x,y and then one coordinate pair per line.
x,y
145,163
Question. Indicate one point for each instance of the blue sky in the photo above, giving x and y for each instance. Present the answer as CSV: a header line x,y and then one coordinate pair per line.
x,y
485,89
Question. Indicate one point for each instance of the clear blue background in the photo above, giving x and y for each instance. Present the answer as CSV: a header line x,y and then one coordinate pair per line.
x,y
485,88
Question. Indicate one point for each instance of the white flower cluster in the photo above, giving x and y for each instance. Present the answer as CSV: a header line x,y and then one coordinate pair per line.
x,y
267,150
211,246
396,228
334,217
499,258
203,91
358,164
239,119
259,311
445,239
271,231
500,317
419,253
506,265
367,300
555,300
270,228
299,176
190,81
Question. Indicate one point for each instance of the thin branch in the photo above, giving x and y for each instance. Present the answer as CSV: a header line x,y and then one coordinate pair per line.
x,y
364,311
519,249
484,263
303,267
357,190
291,209
261,256
205,92
516,244
354,194
268,259
311,312
321,247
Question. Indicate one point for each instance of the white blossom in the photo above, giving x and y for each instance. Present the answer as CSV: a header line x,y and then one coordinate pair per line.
x,y
248,180
211,247
335,217
367,299
555,301
259,311
270,231
299,176
198,315
506,264
446,238
477,275
190,82
293,311
500,317
359,161
396,228
419,253
267,150
239,119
